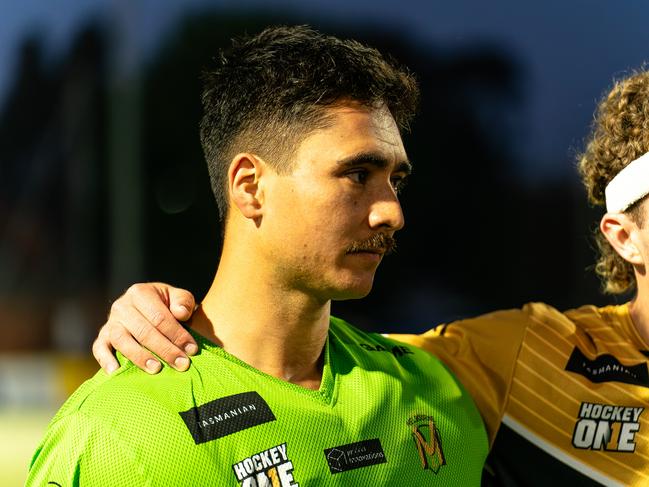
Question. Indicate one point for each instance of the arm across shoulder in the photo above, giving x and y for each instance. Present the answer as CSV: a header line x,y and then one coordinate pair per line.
x,y
482,353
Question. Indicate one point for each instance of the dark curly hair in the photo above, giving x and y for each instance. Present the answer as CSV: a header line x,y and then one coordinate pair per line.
x,y
269,91
620,134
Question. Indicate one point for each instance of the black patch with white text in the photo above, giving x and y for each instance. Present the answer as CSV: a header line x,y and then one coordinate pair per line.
x,y
607,368
355,455
227,415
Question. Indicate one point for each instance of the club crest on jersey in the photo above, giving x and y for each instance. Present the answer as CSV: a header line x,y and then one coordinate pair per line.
x,y
268,468
606,427
428,442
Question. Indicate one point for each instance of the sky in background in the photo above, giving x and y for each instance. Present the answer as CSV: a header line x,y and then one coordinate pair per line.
x,y
569,51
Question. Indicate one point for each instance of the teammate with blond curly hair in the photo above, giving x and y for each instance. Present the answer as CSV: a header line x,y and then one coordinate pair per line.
x,y
563,394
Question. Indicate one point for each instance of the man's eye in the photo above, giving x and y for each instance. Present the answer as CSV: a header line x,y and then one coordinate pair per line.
x,y
358,175
398,183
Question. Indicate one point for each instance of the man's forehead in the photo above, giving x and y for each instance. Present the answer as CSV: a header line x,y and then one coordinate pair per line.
x,y
378,117
355,128
353,132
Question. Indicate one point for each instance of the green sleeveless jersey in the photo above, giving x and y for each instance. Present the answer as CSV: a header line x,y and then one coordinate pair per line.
x,y
385,414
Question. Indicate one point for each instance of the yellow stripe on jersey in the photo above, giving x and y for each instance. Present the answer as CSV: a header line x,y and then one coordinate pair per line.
x,y
573,384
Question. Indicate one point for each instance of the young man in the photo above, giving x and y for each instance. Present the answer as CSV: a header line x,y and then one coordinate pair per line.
x,y
301,136
563,395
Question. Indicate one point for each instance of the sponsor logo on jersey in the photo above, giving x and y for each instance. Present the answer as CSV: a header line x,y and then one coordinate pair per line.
x,y
227,415
397,350
607,368
428,442
355,455
606,427
268,468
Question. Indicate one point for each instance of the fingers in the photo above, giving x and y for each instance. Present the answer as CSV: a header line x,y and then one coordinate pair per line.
x,y
103,352
140,322
132,334
124,342
153,302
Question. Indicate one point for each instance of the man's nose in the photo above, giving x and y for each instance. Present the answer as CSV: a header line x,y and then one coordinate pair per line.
x,y
386,213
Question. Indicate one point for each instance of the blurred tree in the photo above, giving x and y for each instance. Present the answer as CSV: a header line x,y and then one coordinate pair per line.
x,y
52,191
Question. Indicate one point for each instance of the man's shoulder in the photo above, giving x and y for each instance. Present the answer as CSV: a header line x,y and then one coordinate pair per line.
x,y
128,390
97,385
503,322
119,423
350,334
597,314
375,350
584,318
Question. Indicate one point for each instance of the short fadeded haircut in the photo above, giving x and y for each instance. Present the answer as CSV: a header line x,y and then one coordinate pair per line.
x,y
268,92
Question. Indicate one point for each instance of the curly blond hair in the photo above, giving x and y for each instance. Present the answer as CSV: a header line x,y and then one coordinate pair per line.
x,y
620,134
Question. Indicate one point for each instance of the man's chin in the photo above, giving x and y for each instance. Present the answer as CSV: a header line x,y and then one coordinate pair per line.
x,y
349,297
356,291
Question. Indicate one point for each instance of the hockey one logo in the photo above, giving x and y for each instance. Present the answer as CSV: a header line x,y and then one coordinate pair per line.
x,y
606,427
428,442
269,468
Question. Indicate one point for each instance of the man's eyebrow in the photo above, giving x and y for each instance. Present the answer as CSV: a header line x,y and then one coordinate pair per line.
x,y
373,159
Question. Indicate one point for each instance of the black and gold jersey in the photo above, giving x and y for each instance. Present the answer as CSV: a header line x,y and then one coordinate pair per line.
x,y
563,394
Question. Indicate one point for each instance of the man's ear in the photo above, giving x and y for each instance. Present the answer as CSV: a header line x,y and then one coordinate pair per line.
x,y
622,233
244,177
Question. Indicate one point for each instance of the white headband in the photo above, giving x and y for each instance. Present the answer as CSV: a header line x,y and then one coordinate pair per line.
x,y
628,186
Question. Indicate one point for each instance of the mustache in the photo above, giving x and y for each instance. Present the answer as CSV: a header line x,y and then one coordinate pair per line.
x,y
380,243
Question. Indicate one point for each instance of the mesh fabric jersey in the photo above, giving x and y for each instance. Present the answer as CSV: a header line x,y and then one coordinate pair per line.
x,y
385,414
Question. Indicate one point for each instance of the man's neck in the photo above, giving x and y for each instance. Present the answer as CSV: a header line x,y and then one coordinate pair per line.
x,y
279,331
639,309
